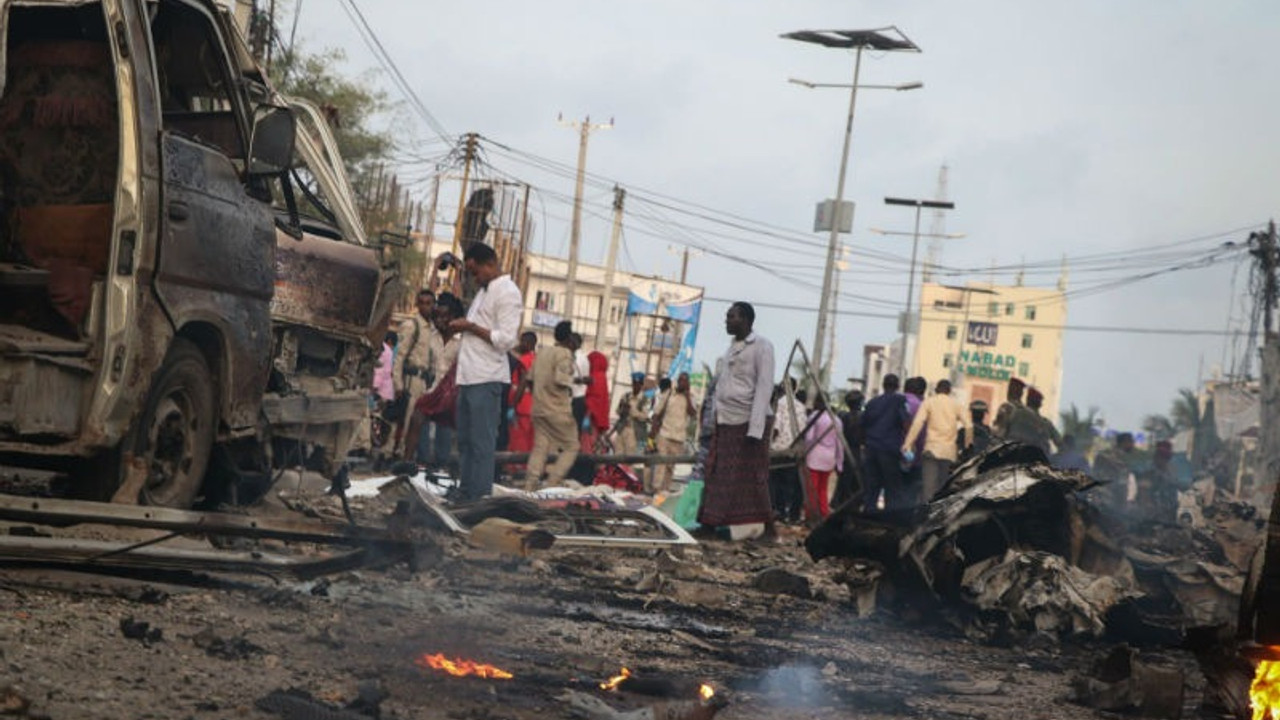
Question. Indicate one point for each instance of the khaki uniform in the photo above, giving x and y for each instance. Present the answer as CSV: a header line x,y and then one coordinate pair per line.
x,y
1028,427
413,367
674,413
633,419
553,424
1000,426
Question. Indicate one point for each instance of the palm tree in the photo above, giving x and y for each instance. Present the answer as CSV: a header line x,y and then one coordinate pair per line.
x,y
1160,427
1079,426
1185,412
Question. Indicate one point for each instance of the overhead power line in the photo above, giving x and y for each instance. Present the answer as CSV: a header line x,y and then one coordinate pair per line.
x,y
371,41
1037,326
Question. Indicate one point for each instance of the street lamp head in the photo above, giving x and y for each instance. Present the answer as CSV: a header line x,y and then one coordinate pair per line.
x,y
798,81
910,86
888,39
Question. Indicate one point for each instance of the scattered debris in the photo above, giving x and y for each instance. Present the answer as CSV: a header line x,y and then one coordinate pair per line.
x,y
235,647
1121,682
140,630
1021,543
13,702
1039,591
593,708
295,704
779,581
509,538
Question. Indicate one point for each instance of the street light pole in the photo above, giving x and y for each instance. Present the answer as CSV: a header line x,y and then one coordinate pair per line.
x,y
887,39
834,241
911,276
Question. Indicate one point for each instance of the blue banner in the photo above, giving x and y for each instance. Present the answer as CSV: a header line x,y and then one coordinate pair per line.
x,y
686,312
683,361
637,305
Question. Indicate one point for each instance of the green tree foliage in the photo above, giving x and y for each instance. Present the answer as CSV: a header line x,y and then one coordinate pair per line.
x,y
353,104
1079,425
1185,412
1160,427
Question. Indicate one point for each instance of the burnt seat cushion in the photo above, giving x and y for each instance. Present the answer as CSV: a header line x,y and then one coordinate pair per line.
x,y
59,157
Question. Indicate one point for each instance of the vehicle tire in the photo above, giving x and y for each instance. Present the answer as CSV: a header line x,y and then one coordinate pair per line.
x,y
175,432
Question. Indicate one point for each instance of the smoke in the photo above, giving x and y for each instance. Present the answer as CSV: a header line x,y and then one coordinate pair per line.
x,y
792,686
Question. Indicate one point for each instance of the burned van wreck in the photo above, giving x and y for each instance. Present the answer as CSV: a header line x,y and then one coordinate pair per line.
x,y
165,306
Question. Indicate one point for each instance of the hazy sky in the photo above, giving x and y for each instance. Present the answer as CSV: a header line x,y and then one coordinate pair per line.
x,y
1070,128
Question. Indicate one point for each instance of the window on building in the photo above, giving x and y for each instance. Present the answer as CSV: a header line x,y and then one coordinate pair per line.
x,y
615,312
544,300
1008,309
993,308
946,360
1026,341
951,332
1031,312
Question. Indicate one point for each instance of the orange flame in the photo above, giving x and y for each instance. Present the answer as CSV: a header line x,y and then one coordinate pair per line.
x,y
616,680
706,692
1264,694
462,668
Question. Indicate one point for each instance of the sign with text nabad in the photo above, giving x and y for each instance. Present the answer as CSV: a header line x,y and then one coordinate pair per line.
x,y
981,333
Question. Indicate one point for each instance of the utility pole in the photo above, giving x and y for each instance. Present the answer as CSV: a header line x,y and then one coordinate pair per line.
x,y
469,154
606,302
584,129
429,232
1260,614
685,252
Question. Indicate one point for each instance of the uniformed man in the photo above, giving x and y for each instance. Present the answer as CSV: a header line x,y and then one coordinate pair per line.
x,y
411,372
1000,428
1115,466
981,431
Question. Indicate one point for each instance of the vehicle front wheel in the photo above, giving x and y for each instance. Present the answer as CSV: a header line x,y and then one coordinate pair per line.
x,y
175,432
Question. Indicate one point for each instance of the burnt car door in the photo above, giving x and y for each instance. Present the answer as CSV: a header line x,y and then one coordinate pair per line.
x,y
215,265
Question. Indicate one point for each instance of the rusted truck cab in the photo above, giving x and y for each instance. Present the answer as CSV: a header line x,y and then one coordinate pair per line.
x,y
158,307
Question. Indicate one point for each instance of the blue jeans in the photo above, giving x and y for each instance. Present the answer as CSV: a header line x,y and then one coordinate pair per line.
x,y
479,411
435,454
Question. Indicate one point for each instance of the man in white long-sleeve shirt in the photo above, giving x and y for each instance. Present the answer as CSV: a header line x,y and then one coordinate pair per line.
x,y
737,467
489,332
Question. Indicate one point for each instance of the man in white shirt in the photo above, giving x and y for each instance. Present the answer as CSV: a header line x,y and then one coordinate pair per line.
x,y
737,467
490,330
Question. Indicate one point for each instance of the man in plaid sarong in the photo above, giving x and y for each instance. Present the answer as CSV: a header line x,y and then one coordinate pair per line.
x,y
737,468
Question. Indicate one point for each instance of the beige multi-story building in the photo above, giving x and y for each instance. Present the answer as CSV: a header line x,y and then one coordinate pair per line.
x,y
981,335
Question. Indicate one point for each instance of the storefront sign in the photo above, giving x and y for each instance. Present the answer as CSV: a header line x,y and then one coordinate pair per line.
x,y
982,333
988,366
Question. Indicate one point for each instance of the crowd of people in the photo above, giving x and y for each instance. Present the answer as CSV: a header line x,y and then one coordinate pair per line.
x,y
469,378
770,454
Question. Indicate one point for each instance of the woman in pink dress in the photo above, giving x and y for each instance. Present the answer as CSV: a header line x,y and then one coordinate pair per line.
x,y
823,455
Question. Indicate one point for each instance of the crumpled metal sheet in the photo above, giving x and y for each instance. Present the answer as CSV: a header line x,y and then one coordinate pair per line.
x,y
991,494
1041,591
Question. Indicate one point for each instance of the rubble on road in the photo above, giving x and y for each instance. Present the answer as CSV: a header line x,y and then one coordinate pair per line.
x,y
1122,682
1017,545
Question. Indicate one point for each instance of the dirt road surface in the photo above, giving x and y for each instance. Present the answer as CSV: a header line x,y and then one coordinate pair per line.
x,y
559,620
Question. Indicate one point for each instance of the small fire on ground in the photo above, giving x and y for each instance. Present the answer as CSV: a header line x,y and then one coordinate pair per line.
x,y
613,682
1264,694
705,691
462,668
